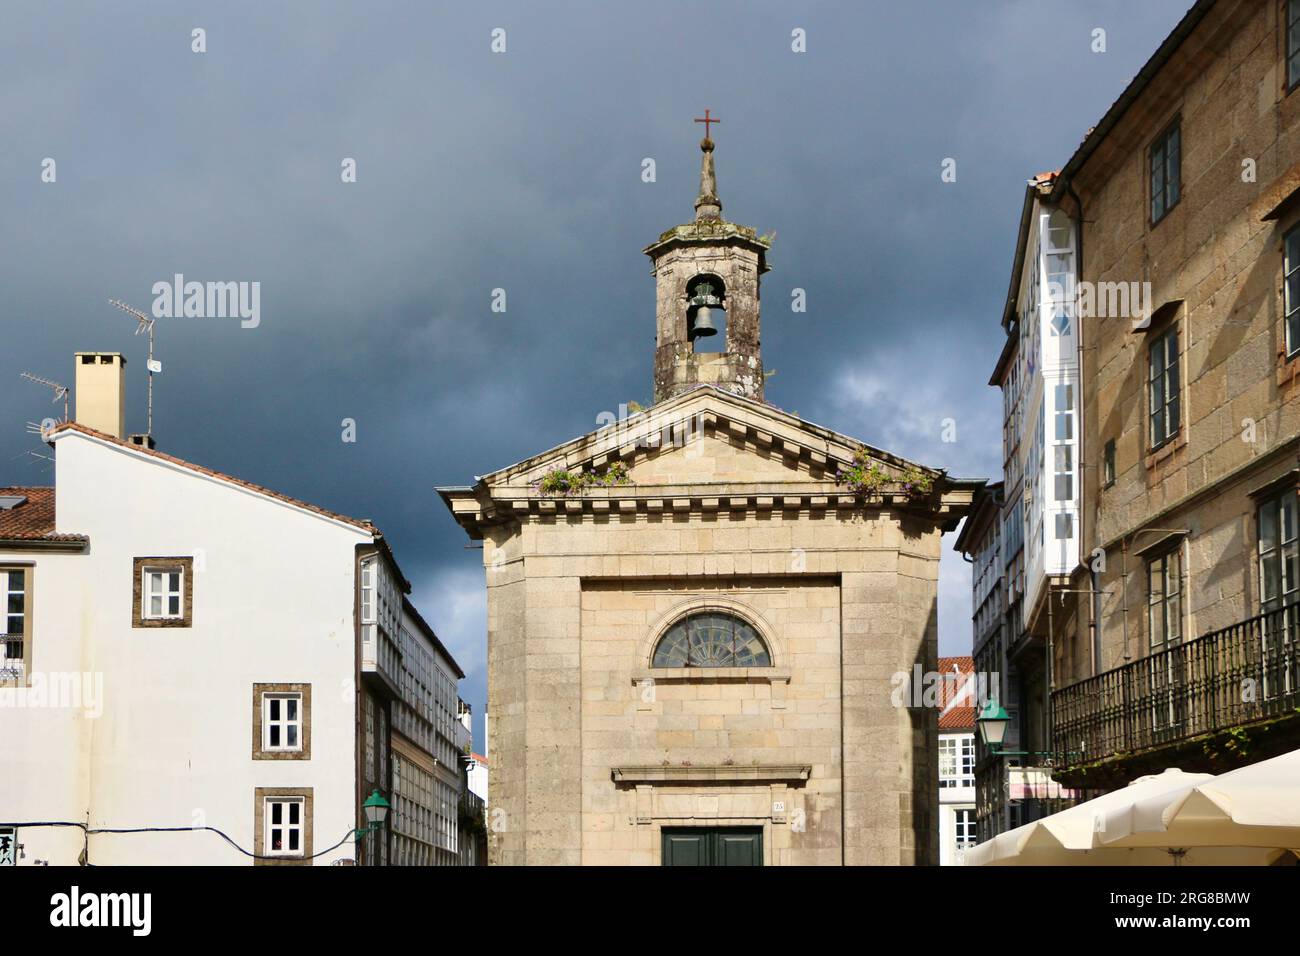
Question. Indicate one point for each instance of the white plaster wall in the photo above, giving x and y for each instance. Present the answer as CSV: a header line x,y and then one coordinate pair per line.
x,y
273,602
45,741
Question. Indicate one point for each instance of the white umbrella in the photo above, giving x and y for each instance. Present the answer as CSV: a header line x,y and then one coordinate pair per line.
x,y
1254,806
1070,836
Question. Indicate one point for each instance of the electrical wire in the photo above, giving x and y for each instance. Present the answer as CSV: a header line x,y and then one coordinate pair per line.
x,y
351,835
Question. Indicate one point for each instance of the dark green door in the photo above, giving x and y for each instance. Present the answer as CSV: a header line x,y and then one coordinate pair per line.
x,y
713,846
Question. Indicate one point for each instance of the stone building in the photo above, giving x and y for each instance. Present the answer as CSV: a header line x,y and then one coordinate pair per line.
x,y
1174,639
695,632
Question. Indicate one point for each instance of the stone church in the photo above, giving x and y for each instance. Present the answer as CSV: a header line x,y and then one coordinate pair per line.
x,y
699,616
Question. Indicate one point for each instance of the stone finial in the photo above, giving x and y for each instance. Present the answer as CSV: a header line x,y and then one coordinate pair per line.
x,y
708,205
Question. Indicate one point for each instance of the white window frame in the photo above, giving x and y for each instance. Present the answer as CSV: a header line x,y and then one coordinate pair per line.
x,y
284,723
949,763
964,828
270,827
22,637
151,574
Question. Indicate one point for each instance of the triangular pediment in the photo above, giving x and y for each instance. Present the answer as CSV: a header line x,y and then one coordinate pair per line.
x,y
712,457
705,448
704,435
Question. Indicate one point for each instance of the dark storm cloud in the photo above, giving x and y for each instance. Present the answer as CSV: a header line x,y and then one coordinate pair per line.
x,y
521,171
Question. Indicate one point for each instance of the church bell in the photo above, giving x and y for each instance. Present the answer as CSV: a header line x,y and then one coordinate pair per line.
x,y
700,311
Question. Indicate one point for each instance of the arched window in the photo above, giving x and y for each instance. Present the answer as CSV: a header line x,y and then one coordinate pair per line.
x,y
711,639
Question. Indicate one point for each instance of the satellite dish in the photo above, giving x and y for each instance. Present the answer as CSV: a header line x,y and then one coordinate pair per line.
x,y
154,366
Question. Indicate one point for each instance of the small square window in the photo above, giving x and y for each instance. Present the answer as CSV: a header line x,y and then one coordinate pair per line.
x,y
282,721
1064,527
163,589
163,592
282,825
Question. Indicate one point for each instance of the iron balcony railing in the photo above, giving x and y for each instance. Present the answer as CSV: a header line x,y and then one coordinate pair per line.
x,y
1245,672
12,665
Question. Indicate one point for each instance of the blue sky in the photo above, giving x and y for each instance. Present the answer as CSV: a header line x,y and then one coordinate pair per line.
x,y
522,171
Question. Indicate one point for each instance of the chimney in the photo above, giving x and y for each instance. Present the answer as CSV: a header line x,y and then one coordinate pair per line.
x,y
101,392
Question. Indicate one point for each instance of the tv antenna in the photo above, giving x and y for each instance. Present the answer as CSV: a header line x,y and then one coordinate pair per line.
x,y
144,323
60,391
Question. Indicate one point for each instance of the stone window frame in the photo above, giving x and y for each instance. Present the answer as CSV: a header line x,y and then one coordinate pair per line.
x,y
260,796
704,603
1273,495
1157,337
183,564
304,751
1160,557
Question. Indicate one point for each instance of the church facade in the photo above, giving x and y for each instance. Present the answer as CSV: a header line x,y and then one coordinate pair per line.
x,y
698,618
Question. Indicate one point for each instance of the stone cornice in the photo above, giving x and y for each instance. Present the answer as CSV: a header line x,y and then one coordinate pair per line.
x,y
815,453
718,773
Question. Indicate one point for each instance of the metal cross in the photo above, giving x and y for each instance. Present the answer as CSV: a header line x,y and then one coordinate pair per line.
x,y
706,121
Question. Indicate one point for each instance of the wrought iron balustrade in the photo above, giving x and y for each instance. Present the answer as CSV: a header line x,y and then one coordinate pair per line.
x,y
1242,673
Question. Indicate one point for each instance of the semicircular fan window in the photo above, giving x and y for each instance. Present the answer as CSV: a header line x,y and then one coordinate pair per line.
x,y
711,639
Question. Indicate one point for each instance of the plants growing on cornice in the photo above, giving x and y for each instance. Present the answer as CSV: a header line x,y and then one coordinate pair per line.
x,y
865,477
565,482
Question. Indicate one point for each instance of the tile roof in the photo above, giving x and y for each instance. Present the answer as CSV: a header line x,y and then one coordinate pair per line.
x,y
33,519
259,489
957,698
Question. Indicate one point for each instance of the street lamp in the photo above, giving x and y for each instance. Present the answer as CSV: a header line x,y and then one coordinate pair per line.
x,y
992,723
376,810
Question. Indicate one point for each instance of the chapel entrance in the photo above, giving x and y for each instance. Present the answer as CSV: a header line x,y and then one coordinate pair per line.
x,y
713,846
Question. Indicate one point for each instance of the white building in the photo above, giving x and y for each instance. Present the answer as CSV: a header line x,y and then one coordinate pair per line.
x,y
184,649
1023,534
426,763
1045,401
956,758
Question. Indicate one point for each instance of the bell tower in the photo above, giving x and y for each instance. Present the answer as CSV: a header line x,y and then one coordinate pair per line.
x,y
706,297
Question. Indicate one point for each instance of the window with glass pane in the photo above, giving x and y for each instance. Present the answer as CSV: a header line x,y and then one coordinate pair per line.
x,y
162,592
1162,387
965,828
13,588
284,826
1291,291
947,762
282,721
1164,600
711,639
1165,172
968,761
1277,552
1292,44
1059,293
